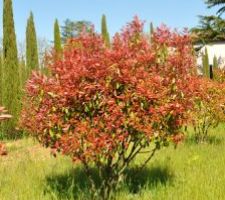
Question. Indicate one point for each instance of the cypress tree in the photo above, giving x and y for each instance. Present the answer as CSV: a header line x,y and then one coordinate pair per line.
x,y
205,62
11,89
215,62
32,62
151,31
22,72
105,33
215,67
57,39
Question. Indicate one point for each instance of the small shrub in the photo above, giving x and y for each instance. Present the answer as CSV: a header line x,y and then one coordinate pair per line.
x,y
209,108
103,106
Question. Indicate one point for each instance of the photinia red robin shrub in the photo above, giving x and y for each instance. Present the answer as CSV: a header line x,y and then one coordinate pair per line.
x,y
103,106
209,107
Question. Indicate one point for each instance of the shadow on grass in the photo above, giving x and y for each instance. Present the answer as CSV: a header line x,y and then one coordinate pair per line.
x,y
148,177
70,185
213,140
14,135
75,185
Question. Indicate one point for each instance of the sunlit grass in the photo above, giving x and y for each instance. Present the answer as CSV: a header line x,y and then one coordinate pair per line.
x,y
192,171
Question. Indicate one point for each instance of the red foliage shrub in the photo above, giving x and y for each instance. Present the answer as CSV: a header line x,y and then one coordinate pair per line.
x,y
103,106
209,107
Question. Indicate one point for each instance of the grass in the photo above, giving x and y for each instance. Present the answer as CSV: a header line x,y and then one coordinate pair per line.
x,y
192,171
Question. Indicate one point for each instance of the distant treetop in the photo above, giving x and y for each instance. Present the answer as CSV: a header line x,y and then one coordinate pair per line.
x,y
213,3
72,29
210,29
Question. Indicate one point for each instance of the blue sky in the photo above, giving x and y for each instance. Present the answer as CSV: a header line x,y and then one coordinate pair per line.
x,y
174,13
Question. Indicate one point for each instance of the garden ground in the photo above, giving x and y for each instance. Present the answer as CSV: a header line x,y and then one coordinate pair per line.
x,y
191,171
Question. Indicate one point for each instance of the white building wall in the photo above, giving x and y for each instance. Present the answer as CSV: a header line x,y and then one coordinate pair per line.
x,y
214,49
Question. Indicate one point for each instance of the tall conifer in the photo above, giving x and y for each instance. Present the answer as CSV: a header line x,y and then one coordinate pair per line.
x,y
105,33
22,72
151,31
11,89
57,39
205,62
32,62
215,62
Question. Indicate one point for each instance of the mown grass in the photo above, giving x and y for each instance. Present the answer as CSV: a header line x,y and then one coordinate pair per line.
x,y
192,171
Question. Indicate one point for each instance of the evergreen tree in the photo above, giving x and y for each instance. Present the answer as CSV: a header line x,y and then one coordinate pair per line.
x,y
11,89
22,72
205,62
210,28
151,31
213,3
105,33
72,29
215,62
32,62
57,38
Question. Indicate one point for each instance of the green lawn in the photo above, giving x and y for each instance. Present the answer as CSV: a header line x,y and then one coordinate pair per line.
x,y
192,171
